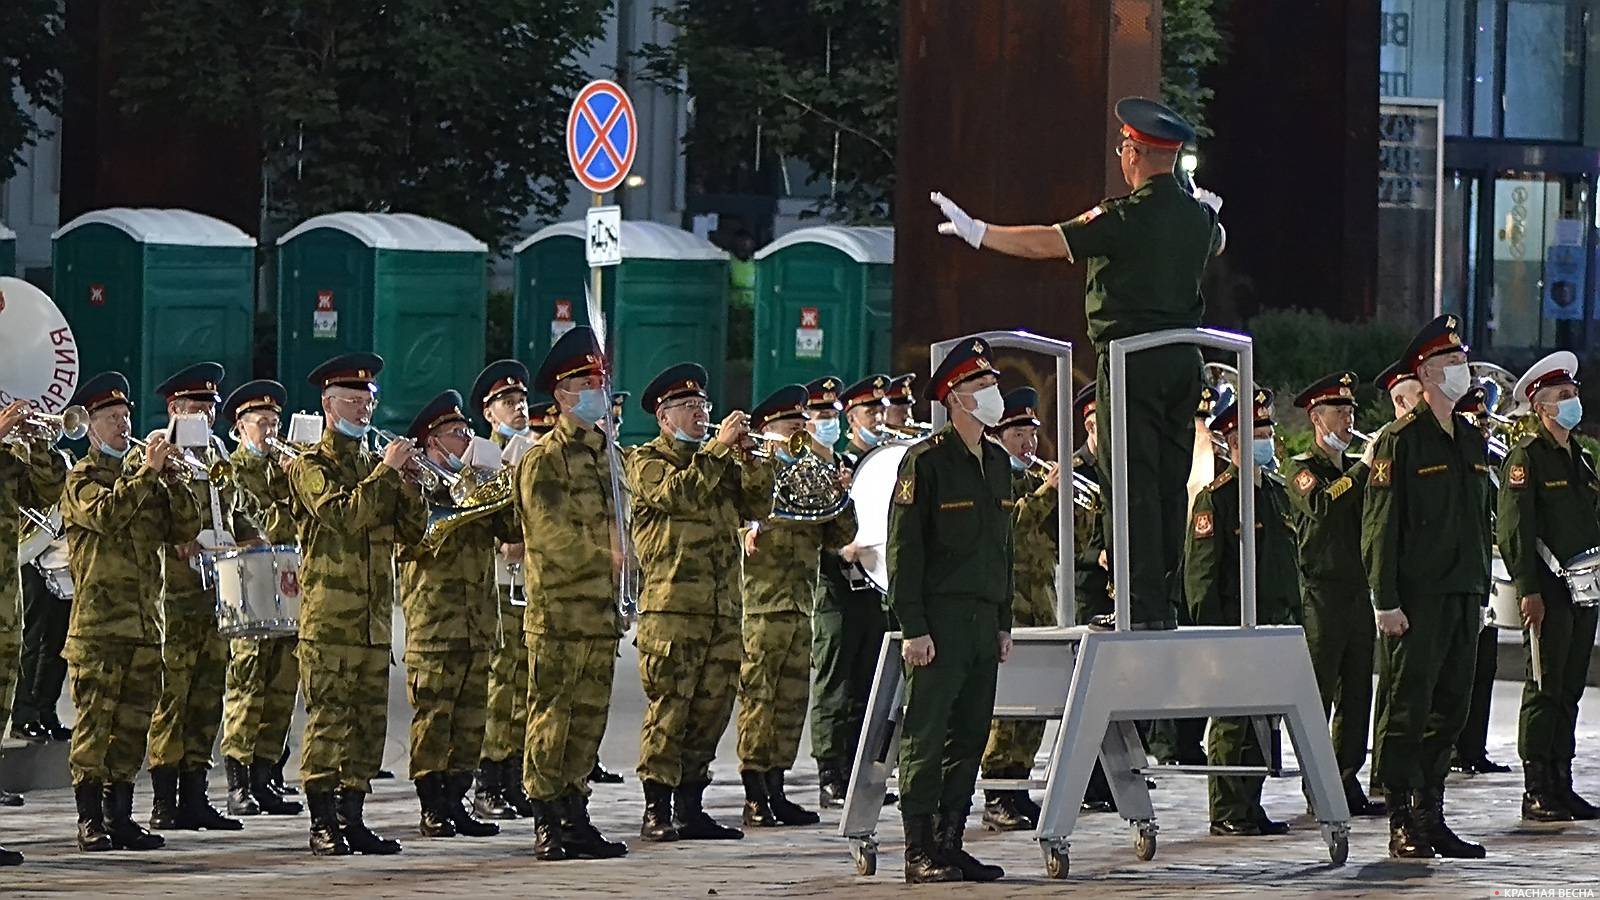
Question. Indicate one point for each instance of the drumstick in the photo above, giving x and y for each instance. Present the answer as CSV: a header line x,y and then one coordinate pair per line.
x,y
1538,665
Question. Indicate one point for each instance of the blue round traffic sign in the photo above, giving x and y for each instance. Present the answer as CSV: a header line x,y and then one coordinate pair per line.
x,y
602,136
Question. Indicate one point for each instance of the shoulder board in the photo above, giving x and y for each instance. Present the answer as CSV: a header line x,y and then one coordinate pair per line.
x,y
923,446
1275,478
1222,479
1301,457
1527,441
1405,421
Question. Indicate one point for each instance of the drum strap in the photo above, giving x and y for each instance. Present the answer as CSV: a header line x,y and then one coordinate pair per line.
x,y
1550,560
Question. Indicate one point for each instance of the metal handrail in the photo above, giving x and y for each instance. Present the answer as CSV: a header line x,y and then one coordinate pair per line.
x,y
1066,585
1241,346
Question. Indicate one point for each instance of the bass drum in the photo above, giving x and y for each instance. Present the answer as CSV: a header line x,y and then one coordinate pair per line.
x,y
872,490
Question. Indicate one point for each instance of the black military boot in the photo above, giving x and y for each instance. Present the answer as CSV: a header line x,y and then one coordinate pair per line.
x,y
691,820
355,830
787,811
455,797
1359,803
117,801
163,799
489,798
195,811
1025,804
9,858
549,841
657,813
512,790
1406,837
279,786
951,828
1581,809
1097,796
265,791
1428,809
924,863
241,789
579,836
435,821
831,784
92,836
1543,800
1000,812
757,809
326,838
599,775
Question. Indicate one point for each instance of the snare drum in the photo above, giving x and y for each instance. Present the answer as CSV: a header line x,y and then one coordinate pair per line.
x,y
1505,607
258,592
52,565
1582,574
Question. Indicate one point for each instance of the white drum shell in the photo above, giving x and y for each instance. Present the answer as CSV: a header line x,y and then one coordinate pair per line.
x,y
1505,607
872,490
258,592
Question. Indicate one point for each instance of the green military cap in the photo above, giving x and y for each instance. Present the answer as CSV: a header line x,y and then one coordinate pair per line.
x,y
200,381
872,390
787,402
823,394
1337,389
967,360
497,379
1436,338
348,370
674,383
1021,408
1227,419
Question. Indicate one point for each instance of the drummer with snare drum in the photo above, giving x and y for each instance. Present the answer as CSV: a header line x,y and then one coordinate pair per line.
x,y
1546,527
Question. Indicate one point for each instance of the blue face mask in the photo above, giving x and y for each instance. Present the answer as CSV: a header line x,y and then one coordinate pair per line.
x,y
114,454
1569,413
784,456
1261,451
509,432
350,429
591,405
455,462
1017,465
827,432
682,435
868,436
253,449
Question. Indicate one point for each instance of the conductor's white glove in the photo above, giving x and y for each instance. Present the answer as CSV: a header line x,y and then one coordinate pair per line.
x,y
1392,622
1208,198
961,225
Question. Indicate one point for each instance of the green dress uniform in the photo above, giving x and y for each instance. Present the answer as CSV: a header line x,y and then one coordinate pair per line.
x,y
32,476
1425,541
1548,496
1211,586
1145,254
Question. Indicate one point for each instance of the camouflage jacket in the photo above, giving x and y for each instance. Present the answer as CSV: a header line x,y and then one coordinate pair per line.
x,y
564,500
117,521
688,503
263,495
447,589
33,477
355,510
1034,543
782,575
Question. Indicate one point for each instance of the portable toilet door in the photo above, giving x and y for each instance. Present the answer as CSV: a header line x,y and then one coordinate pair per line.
x,y
8,250
409,288
665,303
149,291
823,301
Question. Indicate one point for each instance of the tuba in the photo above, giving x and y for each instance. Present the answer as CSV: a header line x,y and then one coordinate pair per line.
x,y
808,489
39,362
475,493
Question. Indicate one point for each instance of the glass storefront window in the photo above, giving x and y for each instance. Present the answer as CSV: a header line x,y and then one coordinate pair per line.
x,y
1544,69
1538,294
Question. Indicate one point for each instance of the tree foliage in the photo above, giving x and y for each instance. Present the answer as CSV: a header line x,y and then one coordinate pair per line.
x,y
32,52
448,108
1191,42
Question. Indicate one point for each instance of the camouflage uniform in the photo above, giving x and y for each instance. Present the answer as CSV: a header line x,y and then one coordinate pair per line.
x,y
775,676
356,510
571,621
1013,744
33,478
687,505
263,675
117,522
452,625
507,710
194,658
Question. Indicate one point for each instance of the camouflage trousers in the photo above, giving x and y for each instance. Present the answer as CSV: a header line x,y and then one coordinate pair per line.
x,y
1013,744
194,665
774,685
447,690
10,648
114,689
263,678
346,690
689,668
569,699
507,724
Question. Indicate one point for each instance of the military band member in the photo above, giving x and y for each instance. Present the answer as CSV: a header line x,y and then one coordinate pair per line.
x,y
1425,542
1547,515
902,401
572,621
1145,254
849,619
1091,566
355,508
689,498
1401,386
781,561
1014,743
452,619
500,394
1325,491
950,585
619,402
263,676
194,658
1211,585
117,521
32,475
543,414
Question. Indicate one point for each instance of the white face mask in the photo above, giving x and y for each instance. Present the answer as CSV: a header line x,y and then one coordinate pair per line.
x,y
1457,381
1335,443
991,405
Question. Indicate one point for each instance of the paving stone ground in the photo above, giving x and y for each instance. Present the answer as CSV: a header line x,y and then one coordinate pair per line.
x,y
269,858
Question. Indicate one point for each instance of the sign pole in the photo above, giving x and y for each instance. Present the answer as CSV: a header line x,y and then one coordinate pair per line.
x,y
594,271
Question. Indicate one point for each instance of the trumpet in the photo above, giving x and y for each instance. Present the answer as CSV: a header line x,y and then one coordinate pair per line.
x,y
1085,491
794,443
188,467
909,431
72,424
283,449
428,474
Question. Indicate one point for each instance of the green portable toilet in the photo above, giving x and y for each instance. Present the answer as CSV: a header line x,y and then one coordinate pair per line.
x,y
667,302
149,291
8,250
823,298
409,288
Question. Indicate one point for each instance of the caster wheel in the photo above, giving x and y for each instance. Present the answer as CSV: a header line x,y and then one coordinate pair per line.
x,y
1144,846
1057,863
866,859
1339,849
